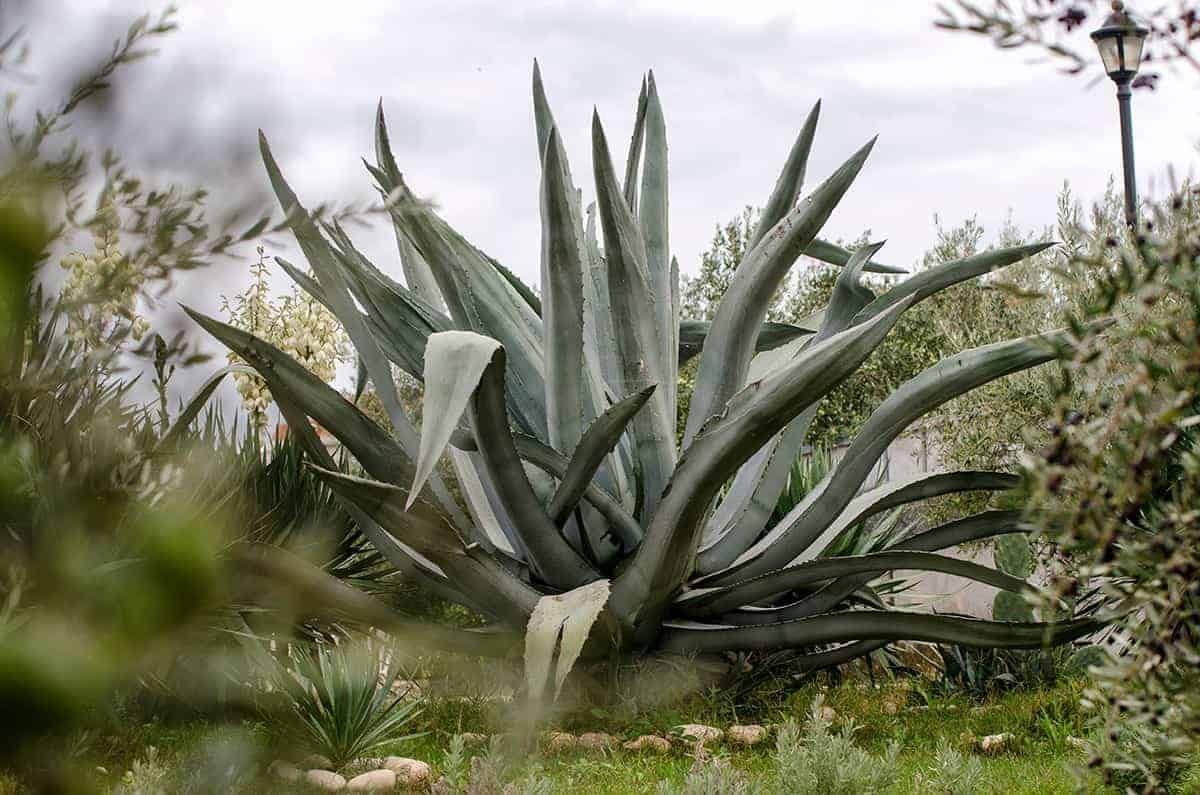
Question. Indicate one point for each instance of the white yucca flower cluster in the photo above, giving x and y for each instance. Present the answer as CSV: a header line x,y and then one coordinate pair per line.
x,y
296,323
102,287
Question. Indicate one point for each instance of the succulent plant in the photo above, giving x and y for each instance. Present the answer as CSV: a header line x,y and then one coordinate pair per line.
x,y
1014,555
585,529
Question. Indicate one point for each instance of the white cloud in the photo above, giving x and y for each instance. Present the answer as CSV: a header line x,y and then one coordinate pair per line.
x,y
965,129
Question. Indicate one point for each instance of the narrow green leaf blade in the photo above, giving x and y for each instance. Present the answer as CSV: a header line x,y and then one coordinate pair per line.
x,y
652,212
938,278
635,322
791,179
562,289
869,625
928,390
599,440
725,359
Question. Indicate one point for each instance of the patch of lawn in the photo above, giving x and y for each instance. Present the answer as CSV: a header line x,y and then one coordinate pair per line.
x,y
1039,759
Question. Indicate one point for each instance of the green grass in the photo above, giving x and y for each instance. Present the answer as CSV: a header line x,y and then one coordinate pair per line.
x,y
1040,760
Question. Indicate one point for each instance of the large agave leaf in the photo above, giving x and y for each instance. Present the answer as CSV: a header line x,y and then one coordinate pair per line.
x,y
597,442
787,191
599,336
652,214
562,291
633,160
600,351
901,492
791,179
414,566
454,364
713,601
725,359
960,531
939,277
541,455
747,507
770,336
481,300
599,358
577,388
633,304
871,625
417,272
504,595
666,555
557,631
320,257
550,555
929,389
478,296
378,453
834,254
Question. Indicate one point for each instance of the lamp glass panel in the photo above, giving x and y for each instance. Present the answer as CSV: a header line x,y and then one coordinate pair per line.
x,y
1110,53
1132,45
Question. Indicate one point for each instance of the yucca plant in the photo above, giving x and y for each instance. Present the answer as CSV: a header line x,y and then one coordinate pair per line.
x,y
585,524
345,701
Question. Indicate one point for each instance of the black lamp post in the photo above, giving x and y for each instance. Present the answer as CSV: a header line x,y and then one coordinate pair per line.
x,y
1120,41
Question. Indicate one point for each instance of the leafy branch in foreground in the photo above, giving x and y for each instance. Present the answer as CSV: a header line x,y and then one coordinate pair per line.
x,y
588,528
1048,26
1117,484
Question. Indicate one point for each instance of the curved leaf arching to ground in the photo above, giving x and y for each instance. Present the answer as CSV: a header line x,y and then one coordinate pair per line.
x,y
929,389
714,601
986,524
871,625
895,493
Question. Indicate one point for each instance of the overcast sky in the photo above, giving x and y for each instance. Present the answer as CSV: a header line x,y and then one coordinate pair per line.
x,y
964,129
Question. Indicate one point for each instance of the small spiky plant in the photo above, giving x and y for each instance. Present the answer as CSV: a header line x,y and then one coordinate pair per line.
x,y
585,524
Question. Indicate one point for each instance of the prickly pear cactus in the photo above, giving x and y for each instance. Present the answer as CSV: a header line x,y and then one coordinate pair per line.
x,y
1084,658
1014,555
1009,606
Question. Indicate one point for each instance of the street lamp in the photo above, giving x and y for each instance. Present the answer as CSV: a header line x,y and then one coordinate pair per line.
x,y
1120,41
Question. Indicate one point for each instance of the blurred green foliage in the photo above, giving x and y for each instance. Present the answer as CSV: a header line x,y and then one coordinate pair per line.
x,y
1116,484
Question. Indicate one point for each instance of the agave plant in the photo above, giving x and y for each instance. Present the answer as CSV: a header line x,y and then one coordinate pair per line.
x,y
584,526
